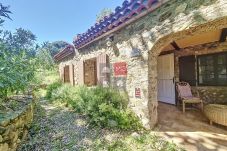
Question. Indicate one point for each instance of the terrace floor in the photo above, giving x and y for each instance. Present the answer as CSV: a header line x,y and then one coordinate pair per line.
x,y
190,130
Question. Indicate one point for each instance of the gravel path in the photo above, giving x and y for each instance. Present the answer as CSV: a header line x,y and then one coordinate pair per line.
x,y
57,128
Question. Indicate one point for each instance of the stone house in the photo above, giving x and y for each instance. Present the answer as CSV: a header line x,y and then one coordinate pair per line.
x,y
146,46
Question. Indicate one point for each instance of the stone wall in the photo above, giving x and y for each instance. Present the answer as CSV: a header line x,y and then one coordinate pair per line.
x,y
216,95
174,20
14,127
209,94
136,78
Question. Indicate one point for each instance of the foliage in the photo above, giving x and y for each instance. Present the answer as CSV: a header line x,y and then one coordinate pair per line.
x,y
4,12
51,88
104,12
17,62
47,77
16,72
21,40
45,60
105,107
54,47
56,127
46,52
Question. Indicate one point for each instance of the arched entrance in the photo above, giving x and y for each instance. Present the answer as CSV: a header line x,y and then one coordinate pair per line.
x,y
180,43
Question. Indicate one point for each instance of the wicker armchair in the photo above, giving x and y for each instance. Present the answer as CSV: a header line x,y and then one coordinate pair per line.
x,y
185,95
216,113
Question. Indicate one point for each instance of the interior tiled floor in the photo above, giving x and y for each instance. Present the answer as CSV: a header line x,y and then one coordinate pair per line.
x,y
190,130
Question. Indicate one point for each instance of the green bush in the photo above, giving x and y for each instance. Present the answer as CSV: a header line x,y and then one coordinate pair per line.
x,y
51,88
16,72
105,107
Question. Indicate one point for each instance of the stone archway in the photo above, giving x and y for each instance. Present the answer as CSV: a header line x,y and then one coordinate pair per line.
x,y
160,43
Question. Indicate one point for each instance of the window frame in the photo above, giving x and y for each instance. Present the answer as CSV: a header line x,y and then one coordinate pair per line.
x,y
214,55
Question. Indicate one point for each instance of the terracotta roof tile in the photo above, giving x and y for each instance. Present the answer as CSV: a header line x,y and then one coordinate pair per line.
x,y
127,11
67,51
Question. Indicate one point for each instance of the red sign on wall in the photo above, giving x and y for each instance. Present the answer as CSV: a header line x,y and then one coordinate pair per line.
x,y
137,93
120,69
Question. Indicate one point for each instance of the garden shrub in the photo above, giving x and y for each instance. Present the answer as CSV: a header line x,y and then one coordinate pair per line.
x,y
105,107
51,88
16,72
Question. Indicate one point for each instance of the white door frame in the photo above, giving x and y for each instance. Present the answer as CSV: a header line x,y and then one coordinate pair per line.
x,y
166,81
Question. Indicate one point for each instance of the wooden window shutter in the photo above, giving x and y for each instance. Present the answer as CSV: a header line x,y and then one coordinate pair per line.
x,y
71,74
187,69
102,63
80,72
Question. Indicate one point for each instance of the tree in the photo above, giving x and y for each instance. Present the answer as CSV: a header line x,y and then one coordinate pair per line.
x,y
104,12
16,72
54,47
45,60
20,40
46,52
4,13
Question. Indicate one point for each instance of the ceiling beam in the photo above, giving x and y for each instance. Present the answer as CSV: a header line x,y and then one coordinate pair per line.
x,y
175,45
223,35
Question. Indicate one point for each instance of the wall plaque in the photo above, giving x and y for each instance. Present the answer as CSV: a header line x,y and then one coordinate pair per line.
x,y
137,93
120,69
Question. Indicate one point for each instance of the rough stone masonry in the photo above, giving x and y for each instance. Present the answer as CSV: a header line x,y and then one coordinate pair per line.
x,y
174,20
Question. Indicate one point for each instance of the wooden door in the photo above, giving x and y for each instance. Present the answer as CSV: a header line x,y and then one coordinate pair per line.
x,y
66,74
166,84
90,72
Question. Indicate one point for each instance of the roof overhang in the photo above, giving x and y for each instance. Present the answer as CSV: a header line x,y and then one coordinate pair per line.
x,y
199,39
66,52
123,16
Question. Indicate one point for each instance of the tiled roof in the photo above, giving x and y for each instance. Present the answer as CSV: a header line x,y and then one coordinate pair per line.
x,y
67,51
126,12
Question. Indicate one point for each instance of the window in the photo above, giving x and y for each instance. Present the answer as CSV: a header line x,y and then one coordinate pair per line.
x,y
212,70
187,69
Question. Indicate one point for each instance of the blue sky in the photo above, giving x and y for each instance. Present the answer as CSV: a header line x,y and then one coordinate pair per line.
x,y
52,20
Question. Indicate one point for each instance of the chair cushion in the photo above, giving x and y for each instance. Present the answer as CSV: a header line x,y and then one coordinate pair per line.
x,y
185,91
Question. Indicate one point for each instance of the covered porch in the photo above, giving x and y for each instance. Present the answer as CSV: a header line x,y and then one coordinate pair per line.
x,y
190,130
197,56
